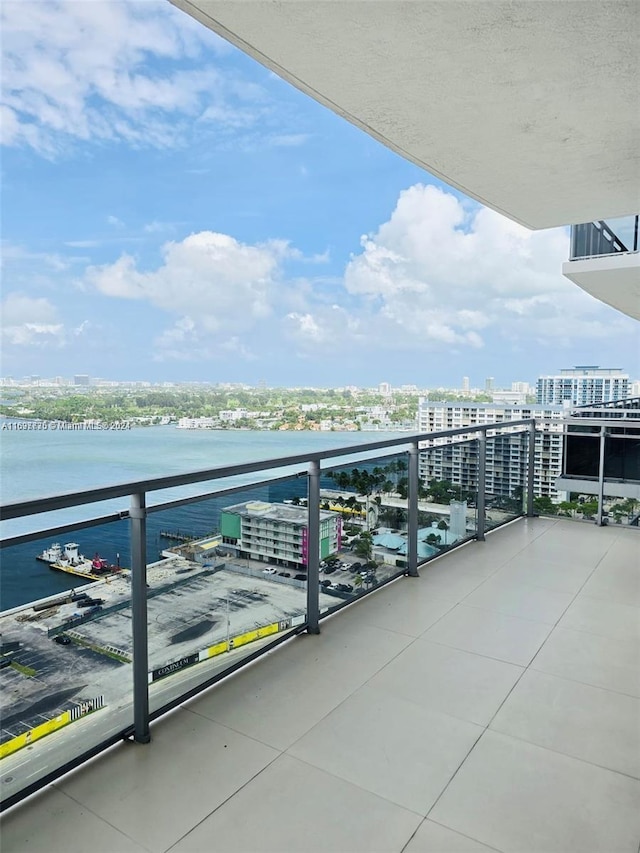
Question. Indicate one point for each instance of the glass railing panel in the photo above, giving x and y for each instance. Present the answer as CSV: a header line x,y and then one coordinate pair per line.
x,y
447,506
620,511
506,478
604,237
371,500
66,651
227,576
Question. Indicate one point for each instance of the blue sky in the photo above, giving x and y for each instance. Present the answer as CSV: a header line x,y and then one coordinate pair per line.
x,y
173,211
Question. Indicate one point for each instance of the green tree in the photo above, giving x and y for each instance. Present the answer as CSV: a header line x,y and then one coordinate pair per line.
x,y
544,505
363,545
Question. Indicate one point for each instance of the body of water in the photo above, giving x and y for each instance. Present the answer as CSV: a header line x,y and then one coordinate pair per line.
x,y
40,463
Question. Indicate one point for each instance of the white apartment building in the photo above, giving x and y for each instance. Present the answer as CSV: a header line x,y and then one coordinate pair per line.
x,y
583,385
506,468
196,423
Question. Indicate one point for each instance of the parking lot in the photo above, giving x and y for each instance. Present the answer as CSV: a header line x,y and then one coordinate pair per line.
x,y
189,609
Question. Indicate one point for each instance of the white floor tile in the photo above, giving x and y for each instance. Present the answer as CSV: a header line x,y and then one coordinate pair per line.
x,y
52,822
589,723
407,608
440,678
485,632
561,576
281,698
293,807
510,595
605,618
591,659
518,797
156,792
616,581
433,838
389,746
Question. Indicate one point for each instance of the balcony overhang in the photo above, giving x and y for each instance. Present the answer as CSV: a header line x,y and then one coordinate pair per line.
x,y
614,279
612,488
528,107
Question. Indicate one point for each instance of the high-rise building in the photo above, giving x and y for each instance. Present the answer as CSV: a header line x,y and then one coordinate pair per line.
x,y
81,379
465,386
583,385
488,384
384,388
506,467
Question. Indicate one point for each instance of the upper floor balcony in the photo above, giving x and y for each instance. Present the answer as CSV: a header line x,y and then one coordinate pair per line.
x,y
604,261
479,689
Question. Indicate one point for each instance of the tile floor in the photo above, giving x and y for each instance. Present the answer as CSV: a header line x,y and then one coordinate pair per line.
x,y
492,704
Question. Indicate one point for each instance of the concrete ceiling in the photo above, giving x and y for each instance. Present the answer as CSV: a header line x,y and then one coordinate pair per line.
x,y
530,107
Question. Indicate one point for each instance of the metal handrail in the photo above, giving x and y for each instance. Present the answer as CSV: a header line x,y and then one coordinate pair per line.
x,y
33,506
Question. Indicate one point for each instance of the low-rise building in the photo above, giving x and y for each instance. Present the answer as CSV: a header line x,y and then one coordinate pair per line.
x,y
277,533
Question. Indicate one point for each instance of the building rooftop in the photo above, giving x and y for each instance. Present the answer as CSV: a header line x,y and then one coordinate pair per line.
x,y
491,704
287,513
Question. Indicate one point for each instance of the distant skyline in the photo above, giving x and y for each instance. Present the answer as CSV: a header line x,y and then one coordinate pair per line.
x,y
173,211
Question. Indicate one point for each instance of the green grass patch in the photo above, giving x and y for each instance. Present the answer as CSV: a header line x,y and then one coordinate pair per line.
x,y
25,670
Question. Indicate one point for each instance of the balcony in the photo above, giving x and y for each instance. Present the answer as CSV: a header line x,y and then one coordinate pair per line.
x,y
493,701
605,262
489,703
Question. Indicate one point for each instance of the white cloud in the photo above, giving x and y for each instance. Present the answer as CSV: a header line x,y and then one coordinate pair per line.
x,y
120,71
440,273
215,285
114,221
438,277
156,227
28,321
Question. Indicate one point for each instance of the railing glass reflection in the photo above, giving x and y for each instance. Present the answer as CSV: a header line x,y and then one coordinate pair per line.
x,y
65,676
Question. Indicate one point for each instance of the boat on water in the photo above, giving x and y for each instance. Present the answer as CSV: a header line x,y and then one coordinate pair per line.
x,y
52,554
69,560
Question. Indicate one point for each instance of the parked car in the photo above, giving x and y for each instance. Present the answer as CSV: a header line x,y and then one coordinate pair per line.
x,y
329,570
270,571
62,640
300,577
344,587
325,583
284,575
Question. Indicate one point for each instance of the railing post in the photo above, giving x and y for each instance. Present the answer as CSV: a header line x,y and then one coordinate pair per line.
x,y
138,521
313,549
531,462
412,520
600,514
482,471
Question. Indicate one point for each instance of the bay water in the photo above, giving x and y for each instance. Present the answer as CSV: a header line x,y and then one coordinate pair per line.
x,y
39,463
